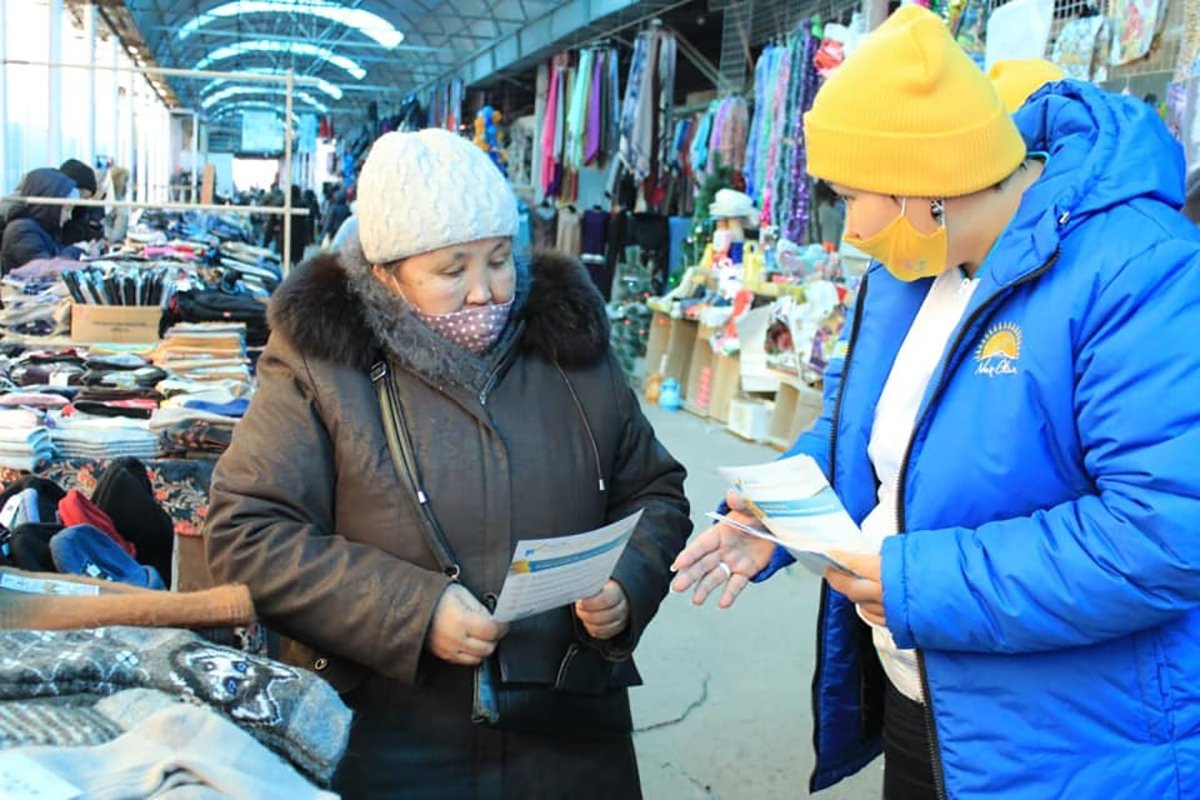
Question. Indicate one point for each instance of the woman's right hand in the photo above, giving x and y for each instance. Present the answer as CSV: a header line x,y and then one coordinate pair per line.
x,y
463,631
744,555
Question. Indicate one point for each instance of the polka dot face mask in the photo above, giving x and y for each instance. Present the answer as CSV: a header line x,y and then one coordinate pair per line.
x,y
476,328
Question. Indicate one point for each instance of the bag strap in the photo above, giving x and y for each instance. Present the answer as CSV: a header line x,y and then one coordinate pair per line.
x,y
400,446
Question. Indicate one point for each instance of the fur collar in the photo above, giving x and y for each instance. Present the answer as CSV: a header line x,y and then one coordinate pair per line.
x,y
332,309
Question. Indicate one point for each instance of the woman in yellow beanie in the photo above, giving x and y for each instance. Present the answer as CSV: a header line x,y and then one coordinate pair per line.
x,y
1015,80
1012,422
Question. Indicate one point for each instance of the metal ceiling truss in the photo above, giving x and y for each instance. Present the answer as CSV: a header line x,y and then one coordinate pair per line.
x,y
475,40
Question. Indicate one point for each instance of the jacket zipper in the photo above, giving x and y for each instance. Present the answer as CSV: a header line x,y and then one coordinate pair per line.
x,y
505,360
939,777
837,414
587,427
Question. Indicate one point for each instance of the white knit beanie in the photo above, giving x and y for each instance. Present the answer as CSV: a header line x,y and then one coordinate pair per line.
x,y
423,191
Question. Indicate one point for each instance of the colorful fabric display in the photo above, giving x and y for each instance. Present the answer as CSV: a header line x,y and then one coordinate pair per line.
x,y
1075,48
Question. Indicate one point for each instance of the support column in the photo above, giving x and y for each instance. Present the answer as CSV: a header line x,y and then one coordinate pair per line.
x,y
195,157
54,87
286,173
114,45
89,33
5,185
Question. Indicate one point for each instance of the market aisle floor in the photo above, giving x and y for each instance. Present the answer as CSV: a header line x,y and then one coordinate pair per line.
x,y
726,709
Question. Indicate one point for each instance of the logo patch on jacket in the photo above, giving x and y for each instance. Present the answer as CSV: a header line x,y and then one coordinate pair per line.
x,y
999,352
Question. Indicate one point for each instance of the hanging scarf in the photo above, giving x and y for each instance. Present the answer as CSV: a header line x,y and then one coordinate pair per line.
x,y
666,99
595,111
577,115
779,119
761,73
635,158
801,191
549,130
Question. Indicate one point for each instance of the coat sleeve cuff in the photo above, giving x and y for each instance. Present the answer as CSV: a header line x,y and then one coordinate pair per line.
x,y
410,618
780,558
895,591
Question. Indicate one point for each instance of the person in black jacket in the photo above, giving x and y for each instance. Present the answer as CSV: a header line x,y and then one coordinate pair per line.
x,y
338,212
301,228
86,224
314,215
35,231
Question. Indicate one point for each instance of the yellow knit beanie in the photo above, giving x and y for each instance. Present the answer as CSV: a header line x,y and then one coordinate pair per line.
x,y
909,114
1016,79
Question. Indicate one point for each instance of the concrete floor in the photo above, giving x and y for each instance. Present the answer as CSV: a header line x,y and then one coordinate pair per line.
x,y
726,708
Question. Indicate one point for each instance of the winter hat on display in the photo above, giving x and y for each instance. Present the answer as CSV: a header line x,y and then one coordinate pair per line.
x,y
910,114
77,509
48,492
125,493
1016,79
84,550
30,546
423,191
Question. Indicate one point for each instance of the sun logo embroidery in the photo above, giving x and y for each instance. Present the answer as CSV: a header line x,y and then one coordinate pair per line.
x,y
999,352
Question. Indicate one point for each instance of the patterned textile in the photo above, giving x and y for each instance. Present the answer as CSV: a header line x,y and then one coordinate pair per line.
x,y
1189,52
180,487
289,710
1135,22
1075,48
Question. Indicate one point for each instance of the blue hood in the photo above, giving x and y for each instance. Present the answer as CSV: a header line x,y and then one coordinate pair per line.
x,y
1105,150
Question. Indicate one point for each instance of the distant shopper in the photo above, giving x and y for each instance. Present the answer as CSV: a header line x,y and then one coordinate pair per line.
x,y
1017,79
300,235
86,224
35,231
313,223
831,216
116,219
339,212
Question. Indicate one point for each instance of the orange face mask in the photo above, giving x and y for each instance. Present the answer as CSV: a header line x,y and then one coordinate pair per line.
x,y
906,252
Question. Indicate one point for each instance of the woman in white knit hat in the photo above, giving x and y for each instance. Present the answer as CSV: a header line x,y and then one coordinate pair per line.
x,y
424,403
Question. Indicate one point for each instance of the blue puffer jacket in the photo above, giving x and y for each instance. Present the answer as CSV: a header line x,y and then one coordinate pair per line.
x,y
1050,573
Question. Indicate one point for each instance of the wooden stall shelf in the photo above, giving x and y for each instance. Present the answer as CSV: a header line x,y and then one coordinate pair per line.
x,y
727,381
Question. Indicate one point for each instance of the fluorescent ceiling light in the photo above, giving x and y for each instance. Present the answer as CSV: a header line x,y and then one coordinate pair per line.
x,y
287,48
322,85
235,91
370,25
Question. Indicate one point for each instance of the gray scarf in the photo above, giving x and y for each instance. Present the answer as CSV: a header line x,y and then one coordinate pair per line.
x,y
414,345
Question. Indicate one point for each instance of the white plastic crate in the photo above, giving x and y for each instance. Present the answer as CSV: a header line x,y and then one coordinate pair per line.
x,y
750,418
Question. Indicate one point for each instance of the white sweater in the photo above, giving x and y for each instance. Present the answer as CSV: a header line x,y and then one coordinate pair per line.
x,y
895,418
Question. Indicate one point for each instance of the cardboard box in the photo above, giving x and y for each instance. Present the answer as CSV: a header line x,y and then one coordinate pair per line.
x,y
797,408
115,324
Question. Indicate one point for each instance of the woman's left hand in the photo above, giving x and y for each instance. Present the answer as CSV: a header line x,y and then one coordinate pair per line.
x,y
865,592
605,615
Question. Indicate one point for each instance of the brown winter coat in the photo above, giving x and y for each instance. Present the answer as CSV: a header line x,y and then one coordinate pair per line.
x,y
542,438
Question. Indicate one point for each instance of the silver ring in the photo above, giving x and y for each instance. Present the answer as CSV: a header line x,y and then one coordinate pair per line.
x,y
728,570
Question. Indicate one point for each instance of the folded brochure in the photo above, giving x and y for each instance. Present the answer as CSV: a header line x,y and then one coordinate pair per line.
x,y
794,502
550,573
